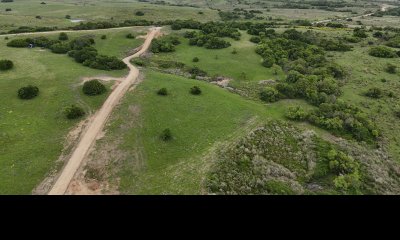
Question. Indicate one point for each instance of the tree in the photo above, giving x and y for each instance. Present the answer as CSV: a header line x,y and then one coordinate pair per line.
x,y
28,92
63,36
195,90
166,135
6,65
73,112
93,87
162,92
269,94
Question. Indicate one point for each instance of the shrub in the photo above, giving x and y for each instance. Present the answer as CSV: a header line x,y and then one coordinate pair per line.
x,y
67,16
18,43
162,92
382,52
234,51
269,94
255,39
103,37
196,59
139,13
374,93
130,36
60,48
195,90
139,62
6,65
390,68
166,135
28,92
74,112
63,37
93,87
296,113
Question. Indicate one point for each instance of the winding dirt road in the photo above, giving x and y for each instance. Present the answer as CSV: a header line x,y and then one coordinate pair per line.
x,y
97,123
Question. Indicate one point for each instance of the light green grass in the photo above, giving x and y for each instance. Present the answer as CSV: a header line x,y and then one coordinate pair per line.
x,y
32,132
151,166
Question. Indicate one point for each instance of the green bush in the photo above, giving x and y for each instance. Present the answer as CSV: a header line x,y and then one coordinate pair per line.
x,y
382,52
374,93
103,37
162,92
93,87
130,36
139,13
73,112
390,68
60,48
6,65
166,135
269,94
28,92
63,36
195,90
296,113
196,59
18,43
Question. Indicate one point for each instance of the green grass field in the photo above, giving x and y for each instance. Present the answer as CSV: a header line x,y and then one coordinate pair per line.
x,y
198,125
32,132
244,67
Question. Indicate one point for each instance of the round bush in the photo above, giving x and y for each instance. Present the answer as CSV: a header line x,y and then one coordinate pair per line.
x,y
195,90
73,112
139,13
166,135
93,87
28,92
104,37
130,36
163,92
6,65
63,36
196,59
269,94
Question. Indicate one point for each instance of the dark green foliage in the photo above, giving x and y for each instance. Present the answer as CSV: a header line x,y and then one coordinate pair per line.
x,y
390,68
139,13
335,25
195,59
60,48
195,71
165,44
63,37
269,94
130,36
374,93
68,16
255,39
6,65
103,62
103,37
296,113
382,52
93,87
162,92
84,54
195,90
28,92
394,42
73,112
18,43
166,135
332,45
360,33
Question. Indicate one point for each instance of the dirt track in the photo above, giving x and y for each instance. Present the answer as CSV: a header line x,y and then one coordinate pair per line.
x,y
99,120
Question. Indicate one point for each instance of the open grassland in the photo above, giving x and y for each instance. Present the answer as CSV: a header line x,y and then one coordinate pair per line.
x,y
198,123
54,12
32,132
243,68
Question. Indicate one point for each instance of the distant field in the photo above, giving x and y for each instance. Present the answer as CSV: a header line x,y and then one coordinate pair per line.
x,y
53,13
29,142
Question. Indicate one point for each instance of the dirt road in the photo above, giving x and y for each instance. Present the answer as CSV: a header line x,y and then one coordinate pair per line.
x,y
99,120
